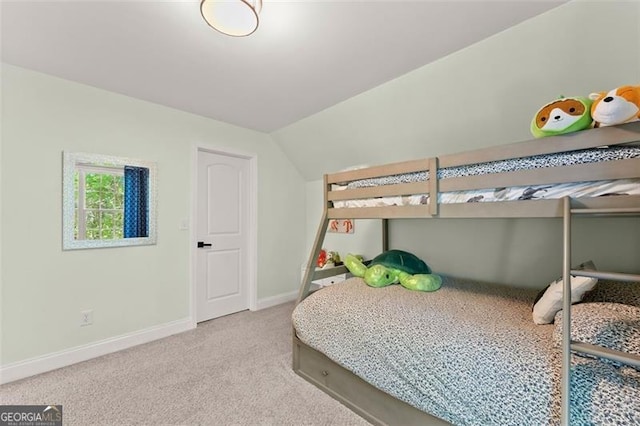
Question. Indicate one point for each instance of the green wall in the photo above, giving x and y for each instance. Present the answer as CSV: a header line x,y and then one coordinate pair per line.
x,y
481,96
132,288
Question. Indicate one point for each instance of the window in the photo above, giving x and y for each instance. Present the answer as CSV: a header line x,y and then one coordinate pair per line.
x,y
107,201
99,199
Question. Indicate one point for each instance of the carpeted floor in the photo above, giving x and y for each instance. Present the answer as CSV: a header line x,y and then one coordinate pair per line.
x,y
234,370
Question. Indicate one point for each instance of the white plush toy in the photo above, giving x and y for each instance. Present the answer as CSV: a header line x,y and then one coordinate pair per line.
x,y
620,105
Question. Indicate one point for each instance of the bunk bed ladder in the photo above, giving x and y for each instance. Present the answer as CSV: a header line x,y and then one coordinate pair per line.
x,y
310,271
317,246
567,344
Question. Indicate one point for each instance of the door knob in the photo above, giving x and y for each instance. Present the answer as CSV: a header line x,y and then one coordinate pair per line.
x,y
203,244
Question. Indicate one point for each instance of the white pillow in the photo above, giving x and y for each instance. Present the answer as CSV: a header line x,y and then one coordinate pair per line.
x,y
547,306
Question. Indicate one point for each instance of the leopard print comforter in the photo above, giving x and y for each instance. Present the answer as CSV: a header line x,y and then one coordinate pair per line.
x,y
468,353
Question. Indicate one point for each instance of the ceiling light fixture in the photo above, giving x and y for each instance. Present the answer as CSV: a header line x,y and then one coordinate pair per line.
x,y
237,18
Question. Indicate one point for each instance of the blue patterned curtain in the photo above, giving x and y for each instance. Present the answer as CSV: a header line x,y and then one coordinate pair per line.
x,y
136,202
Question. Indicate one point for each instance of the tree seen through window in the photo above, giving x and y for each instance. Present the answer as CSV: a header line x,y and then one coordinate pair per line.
x,y
100,203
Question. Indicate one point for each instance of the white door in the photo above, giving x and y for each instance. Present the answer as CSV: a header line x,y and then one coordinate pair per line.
x,y
222,269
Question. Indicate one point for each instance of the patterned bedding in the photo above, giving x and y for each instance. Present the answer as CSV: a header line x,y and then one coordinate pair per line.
x,y
468,353
575,190
514,193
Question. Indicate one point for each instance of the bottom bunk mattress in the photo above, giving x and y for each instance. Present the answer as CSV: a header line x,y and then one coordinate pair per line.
x,y
468,353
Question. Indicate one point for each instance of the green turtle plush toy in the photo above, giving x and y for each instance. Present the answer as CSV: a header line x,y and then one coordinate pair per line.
x,y
564,115
395,266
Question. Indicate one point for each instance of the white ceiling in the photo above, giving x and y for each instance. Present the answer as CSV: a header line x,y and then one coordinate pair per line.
x,y
305,56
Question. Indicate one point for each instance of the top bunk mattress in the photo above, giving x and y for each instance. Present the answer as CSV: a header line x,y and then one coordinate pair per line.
x,y
468,353
552,191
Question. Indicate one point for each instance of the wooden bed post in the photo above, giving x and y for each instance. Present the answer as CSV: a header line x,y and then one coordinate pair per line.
x,y
433,186
385,235
311,263
317,246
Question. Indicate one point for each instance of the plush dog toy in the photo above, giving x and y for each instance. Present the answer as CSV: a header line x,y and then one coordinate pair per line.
x,y
564,115
620,105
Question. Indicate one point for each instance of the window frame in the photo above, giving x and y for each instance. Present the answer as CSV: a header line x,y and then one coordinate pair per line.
x,y
70,162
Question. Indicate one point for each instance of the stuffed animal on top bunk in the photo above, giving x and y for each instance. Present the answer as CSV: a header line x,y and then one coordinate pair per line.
x,y
392,267
563,115
620,105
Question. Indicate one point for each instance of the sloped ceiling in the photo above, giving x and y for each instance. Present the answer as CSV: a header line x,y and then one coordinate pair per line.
x,y
305,57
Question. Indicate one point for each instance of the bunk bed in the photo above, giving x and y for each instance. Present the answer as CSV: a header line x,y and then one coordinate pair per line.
x,y
341,332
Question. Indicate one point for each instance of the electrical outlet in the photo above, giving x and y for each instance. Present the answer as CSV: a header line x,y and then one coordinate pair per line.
x,y
86,317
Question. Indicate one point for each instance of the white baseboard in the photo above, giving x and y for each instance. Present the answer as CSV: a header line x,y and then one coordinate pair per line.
x,y
30,367
268,302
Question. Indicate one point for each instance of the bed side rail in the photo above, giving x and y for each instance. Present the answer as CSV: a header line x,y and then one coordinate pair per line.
x,y
379,171
592,138
618,135
429,165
